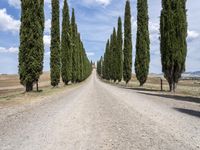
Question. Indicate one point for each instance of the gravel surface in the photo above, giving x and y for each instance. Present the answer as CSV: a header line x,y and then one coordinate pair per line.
x,y
99,116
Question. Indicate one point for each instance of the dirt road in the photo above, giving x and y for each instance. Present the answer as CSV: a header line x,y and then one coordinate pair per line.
x,y
99,116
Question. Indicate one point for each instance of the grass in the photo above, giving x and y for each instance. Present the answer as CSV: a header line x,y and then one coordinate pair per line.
x,y
18,95
184,87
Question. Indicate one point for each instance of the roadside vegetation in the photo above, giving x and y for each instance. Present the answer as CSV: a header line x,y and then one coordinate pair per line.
x,y
173,45
11,90
68,57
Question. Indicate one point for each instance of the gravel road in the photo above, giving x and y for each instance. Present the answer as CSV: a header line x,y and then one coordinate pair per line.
x,y
99,116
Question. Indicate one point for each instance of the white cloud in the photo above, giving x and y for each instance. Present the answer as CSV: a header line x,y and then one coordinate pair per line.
x,y
17,3
134,24
7,22
14,3
8,50
102,2
192,35
47,26
47,54
47,1
154,27
47,40
90,53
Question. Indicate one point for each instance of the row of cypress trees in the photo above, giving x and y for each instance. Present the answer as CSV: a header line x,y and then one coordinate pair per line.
x,y
68,57
117,61
100,66
173,45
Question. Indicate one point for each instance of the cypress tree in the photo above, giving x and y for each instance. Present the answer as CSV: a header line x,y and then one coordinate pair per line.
x,y
74,48
110,59
31,43
55,45
81,66
127,67
99,66
25,46
40,44
81,60
114,56
173,46
78,57
87,65
41,20
119,52
106,61
142,59
102,68
66,52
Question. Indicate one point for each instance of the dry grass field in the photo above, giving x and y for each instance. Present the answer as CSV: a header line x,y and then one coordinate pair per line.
x,y
184,87
10,84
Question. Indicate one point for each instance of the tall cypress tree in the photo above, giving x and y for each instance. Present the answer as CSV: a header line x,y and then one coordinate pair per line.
x,y
81,67
114,56
99,66
142,59
41,19
127,67
74,48
78,57
119,53
31,43
40,5
110,58
106,61
25,46
66,51
173,46
55,44
81,61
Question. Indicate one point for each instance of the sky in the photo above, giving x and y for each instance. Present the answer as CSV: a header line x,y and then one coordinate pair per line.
x,y
95,19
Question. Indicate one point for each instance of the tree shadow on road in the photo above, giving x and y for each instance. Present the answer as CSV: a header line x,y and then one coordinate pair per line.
x,y
189,112
175,97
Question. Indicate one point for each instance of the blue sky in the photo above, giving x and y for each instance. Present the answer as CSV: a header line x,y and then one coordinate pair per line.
x,y
96,19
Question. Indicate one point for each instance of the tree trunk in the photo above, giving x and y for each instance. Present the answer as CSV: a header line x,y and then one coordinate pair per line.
x,y
37,88
170,87
174,87
161,84
29,87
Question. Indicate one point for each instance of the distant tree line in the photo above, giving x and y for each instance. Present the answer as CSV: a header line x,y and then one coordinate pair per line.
x,y
117,61
116,65
68,58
